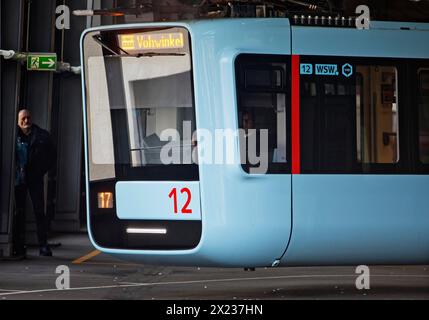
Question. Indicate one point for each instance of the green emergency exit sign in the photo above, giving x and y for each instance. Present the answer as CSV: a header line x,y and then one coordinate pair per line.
x,y
42,62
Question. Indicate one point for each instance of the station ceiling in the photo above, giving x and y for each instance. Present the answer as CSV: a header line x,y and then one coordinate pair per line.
x,y
396,10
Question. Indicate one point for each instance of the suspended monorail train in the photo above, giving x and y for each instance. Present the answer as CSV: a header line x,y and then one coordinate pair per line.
x,y
344,112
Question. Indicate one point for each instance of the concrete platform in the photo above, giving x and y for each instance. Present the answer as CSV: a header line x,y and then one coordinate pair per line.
x,y
94,275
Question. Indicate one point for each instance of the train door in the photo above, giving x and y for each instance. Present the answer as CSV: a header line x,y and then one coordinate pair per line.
x,y
249,218
419,82
263,103
356,198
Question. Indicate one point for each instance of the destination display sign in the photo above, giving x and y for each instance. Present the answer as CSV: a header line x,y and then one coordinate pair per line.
x,y
151,41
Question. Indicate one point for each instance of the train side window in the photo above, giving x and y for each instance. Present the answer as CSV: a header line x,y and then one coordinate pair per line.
x,y
328,124
377,114
349,122
424,115
263,115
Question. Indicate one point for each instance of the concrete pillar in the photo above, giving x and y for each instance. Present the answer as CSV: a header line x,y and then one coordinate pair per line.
x,y
69,210
11,31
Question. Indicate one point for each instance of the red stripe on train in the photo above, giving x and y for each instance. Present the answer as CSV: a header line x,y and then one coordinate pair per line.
x,y
296,137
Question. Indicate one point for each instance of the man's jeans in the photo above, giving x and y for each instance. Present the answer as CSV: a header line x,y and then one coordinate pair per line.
x,y
36,191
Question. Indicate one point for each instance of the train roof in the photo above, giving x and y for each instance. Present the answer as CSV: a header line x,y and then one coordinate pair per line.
x,y
380,25
383,39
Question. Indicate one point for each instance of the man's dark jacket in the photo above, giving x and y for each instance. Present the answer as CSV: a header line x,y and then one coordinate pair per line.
x,y
41,154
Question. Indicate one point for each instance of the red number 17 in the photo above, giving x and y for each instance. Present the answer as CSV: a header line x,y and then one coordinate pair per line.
x,y
173,194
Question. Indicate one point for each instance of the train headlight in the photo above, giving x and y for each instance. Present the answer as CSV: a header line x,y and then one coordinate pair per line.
x,y
105,200
147,230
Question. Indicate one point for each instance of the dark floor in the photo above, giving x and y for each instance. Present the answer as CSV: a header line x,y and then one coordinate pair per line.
x,y
102,277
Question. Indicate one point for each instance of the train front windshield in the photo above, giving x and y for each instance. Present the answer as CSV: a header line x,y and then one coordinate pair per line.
x,y
134,96
139,100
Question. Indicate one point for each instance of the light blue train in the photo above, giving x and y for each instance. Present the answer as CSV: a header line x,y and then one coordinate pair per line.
x,y
339,176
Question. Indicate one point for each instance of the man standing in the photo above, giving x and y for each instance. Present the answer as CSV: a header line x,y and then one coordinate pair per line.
x,y
35,156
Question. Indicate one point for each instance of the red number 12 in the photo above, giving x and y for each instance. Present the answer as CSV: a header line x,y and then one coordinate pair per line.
x,y
185,209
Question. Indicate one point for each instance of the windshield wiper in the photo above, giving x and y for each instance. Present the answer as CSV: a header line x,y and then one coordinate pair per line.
x,y
179,145
100,41
146,54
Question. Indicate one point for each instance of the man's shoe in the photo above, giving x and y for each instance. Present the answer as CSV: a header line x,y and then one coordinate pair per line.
x,y
45,251
20,251
15,257
54,244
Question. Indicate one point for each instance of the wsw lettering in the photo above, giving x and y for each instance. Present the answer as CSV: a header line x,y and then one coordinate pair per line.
x,y
327,69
